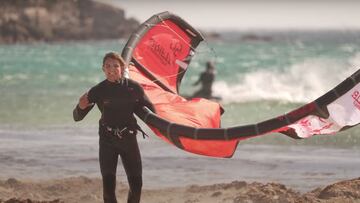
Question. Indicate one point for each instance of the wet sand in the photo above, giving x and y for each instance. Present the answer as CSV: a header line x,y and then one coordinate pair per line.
x,y
83,189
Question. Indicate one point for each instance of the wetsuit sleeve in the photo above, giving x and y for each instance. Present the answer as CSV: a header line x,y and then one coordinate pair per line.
x,y
197,82
93,95
201,78
144,101
78,113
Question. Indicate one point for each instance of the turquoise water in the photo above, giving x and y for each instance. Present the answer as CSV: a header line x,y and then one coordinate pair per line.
x,y
40,84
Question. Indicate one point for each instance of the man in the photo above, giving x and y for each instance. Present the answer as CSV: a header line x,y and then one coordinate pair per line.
x,y
117,98
206,79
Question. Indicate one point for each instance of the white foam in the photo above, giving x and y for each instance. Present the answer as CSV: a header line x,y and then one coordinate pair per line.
x,y
302,82
17,76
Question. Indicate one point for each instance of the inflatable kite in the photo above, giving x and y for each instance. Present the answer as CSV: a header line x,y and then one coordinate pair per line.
x,y
160,52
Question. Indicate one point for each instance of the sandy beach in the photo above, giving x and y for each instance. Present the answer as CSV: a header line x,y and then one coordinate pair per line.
x,y
57,172
83,189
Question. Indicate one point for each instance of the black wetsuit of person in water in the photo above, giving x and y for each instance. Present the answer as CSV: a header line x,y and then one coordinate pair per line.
x,y
117,100
206,79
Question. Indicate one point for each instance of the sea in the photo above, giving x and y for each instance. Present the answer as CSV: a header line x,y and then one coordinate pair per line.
x,y
257,78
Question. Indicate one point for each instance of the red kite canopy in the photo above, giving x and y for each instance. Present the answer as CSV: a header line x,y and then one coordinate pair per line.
x,y
161,50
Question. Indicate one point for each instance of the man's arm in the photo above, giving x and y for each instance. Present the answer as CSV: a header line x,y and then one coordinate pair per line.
x,y
82,108
201,78
197,82
148,104
145,101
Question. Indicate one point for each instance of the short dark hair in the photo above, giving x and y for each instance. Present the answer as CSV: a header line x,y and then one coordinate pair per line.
x,y
210,65
116,56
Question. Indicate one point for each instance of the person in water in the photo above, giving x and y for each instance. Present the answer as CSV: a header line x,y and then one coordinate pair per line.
x,y
206,79
117,98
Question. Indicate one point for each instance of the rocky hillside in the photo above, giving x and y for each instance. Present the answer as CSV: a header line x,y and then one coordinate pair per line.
x,y
60,20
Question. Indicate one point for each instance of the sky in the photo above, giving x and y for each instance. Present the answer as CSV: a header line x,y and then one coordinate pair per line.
x,y
255,14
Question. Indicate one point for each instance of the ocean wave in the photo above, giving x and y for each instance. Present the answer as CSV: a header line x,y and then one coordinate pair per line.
x,y
300,83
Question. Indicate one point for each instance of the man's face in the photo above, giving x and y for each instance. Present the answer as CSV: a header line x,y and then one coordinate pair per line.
x,y
112,69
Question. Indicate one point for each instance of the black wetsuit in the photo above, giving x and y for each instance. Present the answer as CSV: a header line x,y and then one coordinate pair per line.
x,y
206,79
117,129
